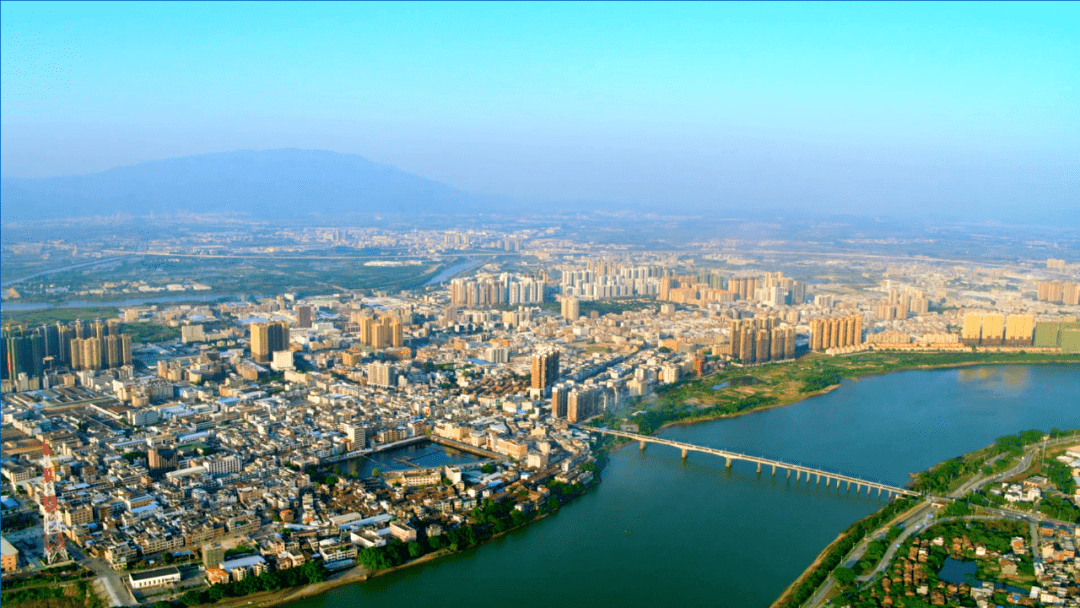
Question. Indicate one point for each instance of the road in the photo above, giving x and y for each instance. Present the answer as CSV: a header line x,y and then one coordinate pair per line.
x,y
61,269
860,549
109,583
913,522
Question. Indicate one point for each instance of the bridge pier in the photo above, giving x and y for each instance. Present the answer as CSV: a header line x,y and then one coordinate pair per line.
x,y
730,457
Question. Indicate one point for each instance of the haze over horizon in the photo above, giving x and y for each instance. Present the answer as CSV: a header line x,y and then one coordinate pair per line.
x,y
950,110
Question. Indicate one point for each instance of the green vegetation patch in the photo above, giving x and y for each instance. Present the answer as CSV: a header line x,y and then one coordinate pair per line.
x,y
834,553
78,594
54,315
310,573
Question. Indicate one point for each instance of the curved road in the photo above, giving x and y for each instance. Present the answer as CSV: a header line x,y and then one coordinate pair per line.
x,y
916,519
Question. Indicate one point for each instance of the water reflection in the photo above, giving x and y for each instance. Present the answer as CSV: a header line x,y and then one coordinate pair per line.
x,y
416,456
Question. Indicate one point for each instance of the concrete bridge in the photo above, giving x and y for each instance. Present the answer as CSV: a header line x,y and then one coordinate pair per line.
x,y
730,457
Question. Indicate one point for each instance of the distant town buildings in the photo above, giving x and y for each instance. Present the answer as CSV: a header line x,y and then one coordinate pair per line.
x,y
503,290
1059,292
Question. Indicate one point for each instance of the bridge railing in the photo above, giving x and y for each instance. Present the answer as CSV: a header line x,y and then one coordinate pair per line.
x,y
810,470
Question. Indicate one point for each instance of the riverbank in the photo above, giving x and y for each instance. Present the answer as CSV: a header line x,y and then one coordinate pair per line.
x,y
360,574
403,590
786,596
694,401
810,582
711,532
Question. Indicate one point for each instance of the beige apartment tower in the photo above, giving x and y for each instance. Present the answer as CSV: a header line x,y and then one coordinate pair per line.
x,y
837,332
1019,330
266,339
545,369
571,309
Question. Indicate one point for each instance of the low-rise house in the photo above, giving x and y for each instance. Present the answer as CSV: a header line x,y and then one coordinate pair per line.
x,y
154,578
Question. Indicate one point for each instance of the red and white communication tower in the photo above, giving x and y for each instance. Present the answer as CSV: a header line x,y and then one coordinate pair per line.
x,y
53,526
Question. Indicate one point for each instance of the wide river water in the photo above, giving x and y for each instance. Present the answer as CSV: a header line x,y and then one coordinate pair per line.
x,y
660,531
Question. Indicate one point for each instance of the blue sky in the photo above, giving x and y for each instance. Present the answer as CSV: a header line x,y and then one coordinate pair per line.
x,y
922,107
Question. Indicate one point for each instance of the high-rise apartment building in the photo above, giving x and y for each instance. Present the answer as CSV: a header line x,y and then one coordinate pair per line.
x,y
581,404
161,460
993,329
506,289
836,332
303,316
571,308
1019,330
266,339
24,354
385,331
559,394
381,374
761,339
545,369
1059,292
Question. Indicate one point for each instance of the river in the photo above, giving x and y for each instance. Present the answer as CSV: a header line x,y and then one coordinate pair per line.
x,y
453,270
660,531
423,455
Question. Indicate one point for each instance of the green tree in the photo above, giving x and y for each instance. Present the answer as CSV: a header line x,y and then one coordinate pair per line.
x,y
844,576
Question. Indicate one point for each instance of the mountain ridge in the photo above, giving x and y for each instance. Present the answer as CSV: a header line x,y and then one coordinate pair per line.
x,y
272,184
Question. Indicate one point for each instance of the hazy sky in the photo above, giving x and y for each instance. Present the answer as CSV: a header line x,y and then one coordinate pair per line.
x,y
839,107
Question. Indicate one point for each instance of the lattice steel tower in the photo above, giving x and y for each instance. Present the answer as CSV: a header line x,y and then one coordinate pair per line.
x,y
53,526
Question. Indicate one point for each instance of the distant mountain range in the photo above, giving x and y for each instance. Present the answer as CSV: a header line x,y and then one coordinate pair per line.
x,y
272,184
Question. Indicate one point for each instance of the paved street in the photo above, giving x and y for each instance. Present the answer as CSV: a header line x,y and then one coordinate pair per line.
x,y
917,520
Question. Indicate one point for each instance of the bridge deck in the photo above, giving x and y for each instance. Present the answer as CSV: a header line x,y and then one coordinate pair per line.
x,y
777,464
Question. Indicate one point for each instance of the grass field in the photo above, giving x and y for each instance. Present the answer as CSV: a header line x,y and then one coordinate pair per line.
x,y
256,276
54,315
